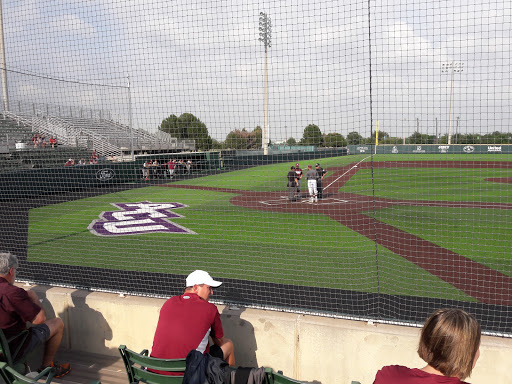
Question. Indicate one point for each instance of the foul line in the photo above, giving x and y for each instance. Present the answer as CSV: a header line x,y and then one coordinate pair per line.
x,y
355,166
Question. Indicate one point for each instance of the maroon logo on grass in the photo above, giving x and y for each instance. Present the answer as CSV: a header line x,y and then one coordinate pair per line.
x,y
139,218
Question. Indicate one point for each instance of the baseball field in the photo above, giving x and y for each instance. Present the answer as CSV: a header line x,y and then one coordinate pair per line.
x,y
435,226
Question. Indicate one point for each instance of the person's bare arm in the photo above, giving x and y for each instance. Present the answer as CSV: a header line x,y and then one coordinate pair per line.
x,y
41,315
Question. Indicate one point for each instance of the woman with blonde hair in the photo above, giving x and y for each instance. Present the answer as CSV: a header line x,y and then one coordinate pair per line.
x,y
449,344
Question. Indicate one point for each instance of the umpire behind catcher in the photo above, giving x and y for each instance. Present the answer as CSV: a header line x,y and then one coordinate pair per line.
x,y
292,184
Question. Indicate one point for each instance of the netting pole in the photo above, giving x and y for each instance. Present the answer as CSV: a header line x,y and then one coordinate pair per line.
x,y
2,61
130,118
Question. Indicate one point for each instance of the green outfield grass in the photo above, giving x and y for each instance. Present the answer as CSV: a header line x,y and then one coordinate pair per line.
x,y
482,235
313,250
443,184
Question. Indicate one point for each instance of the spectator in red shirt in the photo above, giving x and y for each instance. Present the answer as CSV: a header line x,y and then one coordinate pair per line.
x,y
17,307
188,321
449,344
53,141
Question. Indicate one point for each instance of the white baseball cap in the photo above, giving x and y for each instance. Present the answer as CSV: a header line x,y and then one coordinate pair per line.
x,y
199,277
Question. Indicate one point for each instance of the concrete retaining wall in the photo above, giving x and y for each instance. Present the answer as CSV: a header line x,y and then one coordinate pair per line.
x,y
309,348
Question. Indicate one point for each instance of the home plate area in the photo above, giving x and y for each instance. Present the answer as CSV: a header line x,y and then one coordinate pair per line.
x,y
283,200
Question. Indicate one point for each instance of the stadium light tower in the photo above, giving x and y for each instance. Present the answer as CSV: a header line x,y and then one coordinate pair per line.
x,y
3,66
453,67
265,28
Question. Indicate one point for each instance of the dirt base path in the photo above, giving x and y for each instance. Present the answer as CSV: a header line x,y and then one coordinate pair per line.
x,y
477,280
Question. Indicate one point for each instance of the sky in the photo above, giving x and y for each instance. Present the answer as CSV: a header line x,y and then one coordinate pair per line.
x,y
340,65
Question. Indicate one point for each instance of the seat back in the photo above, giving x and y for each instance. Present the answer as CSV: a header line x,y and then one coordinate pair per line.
x,y
11,376
279,378
12,357
5,351
136,365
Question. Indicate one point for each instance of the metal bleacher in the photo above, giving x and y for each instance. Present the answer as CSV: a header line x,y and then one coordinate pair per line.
x,y
107,137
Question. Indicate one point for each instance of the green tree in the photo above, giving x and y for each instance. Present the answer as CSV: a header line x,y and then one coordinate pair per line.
x,y
291,142
218,145
383,136
312,135
420,138
334,140
354,138
170,126
236,139
256,140
187,126
242,139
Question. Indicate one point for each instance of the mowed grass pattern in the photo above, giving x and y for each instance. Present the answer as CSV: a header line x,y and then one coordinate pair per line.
x,y
442,184
236,242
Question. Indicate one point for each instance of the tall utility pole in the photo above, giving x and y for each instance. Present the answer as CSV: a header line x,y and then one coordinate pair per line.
x,y
453,67
3,65
265,29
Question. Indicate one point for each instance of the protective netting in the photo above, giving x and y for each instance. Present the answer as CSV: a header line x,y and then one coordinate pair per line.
x,y
143,140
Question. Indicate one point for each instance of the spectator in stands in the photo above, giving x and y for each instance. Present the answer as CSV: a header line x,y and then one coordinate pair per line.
x,y
70,163
449,344
53,141
94,158
17,307
145,170
186,322
82,162
170,167
35,140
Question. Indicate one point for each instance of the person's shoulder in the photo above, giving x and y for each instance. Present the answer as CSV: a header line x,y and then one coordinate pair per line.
x,y
391,372
12,290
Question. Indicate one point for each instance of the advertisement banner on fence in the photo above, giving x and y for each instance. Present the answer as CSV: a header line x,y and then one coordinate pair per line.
x,y
433,149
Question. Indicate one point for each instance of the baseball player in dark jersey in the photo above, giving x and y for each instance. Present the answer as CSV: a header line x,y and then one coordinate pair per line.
x,y
321,173
292,184
298,175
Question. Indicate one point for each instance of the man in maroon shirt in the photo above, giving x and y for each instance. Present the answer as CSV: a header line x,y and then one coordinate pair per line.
x,y
186,322
17,307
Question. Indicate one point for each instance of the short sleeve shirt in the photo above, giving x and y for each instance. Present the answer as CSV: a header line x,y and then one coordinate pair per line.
x,y
184,324
397,374
311,174
16,308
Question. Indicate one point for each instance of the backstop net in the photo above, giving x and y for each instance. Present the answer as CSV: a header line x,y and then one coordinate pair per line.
x,y
140,141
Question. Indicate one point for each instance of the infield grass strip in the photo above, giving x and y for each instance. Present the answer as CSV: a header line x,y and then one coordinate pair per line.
x,y
482,235
231,242
442,184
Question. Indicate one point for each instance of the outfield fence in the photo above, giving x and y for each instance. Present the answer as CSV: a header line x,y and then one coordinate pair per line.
x,y
239,93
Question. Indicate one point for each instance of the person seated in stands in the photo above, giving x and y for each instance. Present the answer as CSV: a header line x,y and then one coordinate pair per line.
x,y
82,162
186,322
70,163
449,344
53,141
17,307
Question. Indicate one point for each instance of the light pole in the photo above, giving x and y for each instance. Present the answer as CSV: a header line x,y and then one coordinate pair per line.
x,y
265,28
453,67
